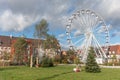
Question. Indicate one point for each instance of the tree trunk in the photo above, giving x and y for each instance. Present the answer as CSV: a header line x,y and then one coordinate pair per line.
x,y
31,60
37,61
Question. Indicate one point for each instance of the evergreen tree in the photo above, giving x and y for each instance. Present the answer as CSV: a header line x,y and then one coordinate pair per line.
x,y
91,64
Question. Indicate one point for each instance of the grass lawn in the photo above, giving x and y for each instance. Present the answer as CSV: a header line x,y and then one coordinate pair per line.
x,y
56,73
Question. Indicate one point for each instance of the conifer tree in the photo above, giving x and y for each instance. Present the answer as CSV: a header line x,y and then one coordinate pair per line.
x,y
91,64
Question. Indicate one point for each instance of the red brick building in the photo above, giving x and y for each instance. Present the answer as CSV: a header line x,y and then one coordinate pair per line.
x,y
7,42
114,53
114,49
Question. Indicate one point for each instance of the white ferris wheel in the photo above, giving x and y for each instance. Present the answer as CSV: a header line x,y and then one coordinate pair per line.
x,y
86,29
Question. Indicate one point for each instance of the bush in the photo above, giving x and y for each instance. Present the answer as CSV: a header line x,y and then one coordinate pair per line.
x,y
76,60
57,59
47,62
112,64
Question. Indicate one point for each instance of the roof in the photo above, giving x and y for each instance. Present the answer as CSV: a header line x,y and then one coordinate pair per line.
x,y
6,41
115,48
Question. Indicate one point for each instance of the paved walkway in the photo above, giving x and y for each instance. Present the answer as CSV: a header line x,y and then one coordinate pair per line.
x,y
109,66
102,66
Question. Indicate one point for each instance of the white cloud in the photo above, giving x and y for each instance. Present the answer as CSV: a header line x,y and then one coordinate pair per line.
x,y
20,14
61,35
53,10
111,6
77,33
15,22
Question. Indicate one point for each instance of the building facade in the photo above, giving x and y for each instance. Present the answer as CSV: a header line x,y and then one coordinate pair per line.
x,y
114,53
7,50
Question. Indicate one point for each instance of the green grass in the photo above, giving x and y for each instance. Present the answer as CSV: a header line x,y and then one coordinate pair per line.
x,y
56,73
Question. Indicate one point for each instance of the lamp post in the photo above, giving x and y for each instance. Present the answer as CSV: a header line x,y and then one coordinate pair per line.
x,y
11,39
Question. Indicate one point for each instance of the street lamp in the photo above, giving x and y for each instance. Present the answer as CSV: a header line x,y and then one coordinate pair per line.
x,y
11,39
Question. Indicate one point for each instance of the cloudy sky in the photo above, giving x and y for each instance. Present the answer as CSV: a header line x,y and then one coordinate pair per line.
x,y
19,17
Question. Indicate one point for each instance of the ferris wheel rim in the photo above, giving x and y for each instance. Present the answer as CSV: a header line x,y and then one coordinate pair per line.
x,y
90,12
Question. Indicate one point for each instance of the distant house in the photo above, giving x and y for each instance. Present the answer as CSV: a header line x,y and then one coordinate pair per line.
x,y
114,53
7,42
5,45
114,49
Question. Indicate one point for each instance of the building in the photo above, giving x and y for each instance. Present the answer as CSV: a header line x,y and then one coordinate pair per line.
x,y
114,53
7,49
114,49
5,45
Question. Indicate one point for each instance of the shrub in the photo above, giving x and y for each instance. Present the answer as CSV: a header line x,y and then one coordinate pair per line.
x,y
76,61
57,59
47,62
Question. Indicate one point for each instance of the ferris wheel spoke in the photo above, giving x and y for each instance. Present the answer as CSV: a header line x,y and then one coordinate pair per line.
x,y
97,48
100,29
81,35
96,27
78,41
62,40
83,19
103,54
81,22
100,39
91,19
102,36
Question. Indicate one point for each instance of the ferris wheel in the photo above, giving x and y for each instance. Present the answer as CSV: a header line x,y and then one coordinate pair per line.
x,y
86,29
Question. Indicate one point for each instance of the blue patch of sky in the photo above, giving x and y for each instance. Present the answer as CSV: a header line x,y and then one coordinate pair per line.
x,y
27,32
70,10
115,39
